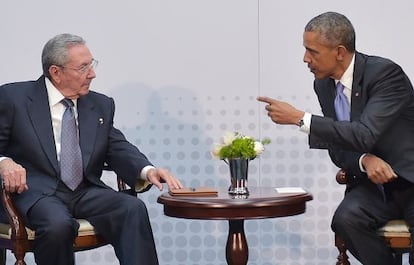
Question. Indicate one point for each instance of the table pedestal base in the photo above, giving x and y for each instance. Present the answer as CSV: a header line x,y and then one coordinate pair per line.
x,y
237,251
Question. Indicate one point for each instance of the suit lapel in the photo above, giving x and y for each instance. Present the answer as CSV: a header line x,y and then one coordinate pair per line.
x,y
88,120
331,98
326,91
357,102
39,113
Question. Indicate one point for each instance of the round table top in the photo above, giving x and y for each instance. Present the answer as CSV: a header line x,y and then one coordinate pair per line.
x,y
262,202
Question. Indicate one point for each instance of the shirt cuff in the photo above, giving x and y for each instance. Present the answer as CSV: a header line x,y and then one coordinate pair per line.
x,y
144,172
361,167
306,123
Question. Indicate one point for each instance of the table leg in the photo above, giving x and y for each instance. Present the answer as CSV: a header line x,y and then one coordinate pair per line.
x,y
237,251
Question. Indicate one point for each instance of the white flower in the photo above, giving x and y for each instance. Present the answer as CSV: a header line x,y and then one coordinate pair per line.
x,y
229,137
235,145
216,150
258,148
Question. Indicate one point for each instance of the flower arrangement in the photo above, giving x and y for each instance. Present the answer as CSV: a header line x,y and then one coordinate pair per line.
x,y
235,145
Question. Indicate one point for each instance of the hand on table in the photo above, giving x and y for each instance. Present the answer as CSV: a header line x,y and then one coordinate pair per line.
x,y
157,176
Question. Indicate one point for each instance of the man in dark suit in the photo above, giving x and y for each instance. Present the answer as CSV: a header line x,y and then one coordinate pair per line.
x,y
372,142
31,154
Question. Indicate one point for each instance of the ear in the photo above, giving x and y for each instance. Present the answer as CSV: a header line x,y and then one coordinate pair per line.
x,y
341,52
55,73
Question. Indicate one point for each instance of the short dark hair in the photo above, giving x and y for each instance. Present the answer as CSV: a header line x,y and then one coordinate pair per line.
x,y
334,28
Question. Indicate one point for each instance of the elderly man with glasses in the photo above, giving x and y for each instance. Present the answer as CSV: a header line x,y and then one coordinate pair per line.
x,y
55,137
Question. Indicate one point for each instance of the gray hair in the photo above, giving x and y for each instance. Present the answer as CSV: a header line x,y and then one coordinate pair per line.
x,y
55,51
334,29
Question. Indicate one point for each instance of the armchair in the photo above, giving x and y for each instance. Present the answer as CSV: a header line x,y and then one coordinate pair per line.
x,y
16,237
395,233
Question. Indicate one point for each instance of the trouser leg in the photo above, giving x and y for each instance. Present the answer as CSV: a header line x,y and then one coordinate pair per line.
x,y
405,200
123,220
357,219
55,231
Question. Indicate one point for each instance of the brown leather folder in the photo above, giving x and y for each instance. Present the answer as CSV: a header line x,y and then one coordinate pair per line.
x,y
200,191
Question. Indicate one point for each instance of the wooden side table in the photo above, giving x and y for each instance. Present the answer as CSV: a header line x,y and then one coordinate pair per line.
x,y
262,202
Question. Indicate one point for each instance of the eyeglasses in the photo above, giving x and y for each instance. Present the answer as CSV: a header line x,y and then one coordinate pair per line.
x,y
85,68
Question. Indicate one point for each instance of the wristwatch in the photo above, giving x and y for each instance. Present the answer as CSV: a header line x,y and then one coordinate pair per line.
x,y
300,123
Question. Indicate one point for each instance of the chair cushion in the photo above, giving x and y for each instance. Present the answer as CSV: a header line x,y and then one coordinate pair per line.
x,y
85,229
398,228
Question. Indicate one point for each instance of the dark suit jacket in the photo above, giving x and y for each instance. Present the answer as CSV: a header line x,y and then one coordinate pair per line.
x,y
382,115
26,136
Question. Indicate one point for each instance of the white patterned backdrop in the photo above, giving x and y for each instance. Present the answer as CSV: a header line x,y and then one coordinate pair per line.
x,y
183,72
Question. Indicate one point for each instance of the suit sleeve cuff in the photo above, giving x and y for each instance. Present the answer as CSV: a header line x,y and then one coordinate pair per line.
x,y
142,183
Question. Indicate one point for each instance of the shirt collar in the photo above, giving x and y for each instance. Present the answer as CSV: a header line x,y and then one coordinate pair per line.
x,y
54,94
348,76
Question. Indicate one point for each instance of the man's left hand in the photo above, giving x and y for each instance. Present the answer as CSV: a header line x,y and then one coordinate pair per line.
x,y
157,176
378,170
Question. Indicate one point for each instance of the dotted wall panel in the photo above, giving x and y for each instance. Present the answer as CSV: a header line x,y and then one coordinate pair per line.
x,y
184,72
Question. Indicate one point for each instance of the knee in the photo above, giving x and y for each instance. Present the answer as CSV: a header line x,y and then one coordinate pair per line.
x,y
58,230
345,217
137,206
134,208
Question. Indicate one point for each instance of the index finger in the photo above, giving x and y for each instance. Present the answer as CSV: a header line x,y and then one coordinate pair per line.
x,y
265,99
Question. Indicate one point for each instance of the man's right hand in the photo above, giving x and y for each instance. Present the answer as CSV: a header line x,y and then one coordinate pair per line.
x,y
378,170
13,176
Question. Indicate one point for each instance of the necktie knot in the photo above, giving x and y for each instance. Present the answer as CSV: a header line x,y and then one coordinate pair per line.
x,y
67,102
339,88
